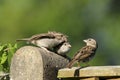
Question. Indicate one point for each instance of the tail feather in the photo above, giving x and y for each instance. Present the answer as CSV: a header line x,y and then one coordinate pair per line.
x,y
71,63
25,39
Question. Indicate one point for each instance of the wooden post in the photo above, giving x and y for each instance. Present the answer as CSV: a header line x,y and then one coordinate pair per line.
x,y
33,63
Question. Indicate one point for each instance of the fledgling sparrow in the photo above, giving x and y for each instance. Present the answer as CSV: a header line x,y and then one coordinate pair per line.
x,y
85,54
63,48
46,40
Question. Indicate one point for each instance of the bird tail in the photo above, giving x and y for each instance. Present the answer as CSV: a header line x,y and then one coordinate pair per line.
x,y
71,63
25,39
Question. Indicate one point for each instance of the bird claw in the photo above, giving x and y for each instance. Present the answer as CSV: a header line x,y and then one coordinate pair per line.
x,y
78,64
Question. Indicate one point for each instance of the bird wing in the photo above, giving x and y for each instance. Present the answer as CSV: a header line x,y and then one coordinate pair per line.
x,y
59,35
43,35
49,35
37,36
84,53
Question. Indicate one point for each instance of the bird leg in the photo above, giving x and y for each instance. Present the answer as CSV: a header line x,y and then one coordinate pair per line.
x,y
78,64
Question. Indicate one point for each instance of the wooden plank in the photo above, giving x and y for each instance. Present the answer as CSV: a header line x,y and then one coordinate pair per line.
x,y
98,71
70,79
93,78
113,79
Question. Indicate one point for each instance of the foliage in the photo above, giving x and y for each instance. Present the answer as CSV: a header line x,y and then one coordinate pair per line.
x,y
79,19
6,53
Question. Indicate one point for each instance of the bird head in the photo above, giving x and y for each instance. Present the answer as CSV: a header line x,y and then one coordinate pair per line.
x,y
66,44
64,48
90,42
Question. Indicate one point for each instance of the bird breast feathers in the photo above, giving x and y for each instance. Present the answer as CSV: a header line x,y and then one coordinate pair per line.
x,y
84,52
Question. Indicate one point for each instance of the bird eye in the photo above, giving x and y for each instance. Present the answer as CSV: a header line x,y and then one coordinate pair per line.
x,y
89,39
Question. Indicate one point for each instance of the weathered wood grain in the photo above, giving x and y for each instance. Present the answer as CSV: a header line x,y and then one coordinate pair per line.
x,y
91,78
93,71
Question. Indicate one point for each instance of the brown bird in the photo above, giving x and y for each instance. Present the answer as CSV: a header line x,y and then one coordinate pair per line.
x,y
46,40
85,54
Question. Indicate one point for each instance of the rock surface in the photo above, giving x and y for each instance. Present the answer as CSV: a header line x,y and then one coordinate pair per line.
x,y
33,63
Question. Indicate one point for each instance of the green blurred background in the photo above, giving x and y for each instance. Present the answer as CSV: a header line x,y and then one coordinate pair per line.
x,y
79,19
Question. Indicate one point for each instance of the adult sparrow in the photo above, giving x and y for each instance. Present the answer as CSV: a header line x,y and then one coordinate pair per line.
x,y
86,53
46,40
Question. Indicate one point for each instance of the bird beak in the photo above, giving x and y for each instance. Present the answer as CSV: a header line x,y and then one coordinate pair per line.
x,y
85,41
70,46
